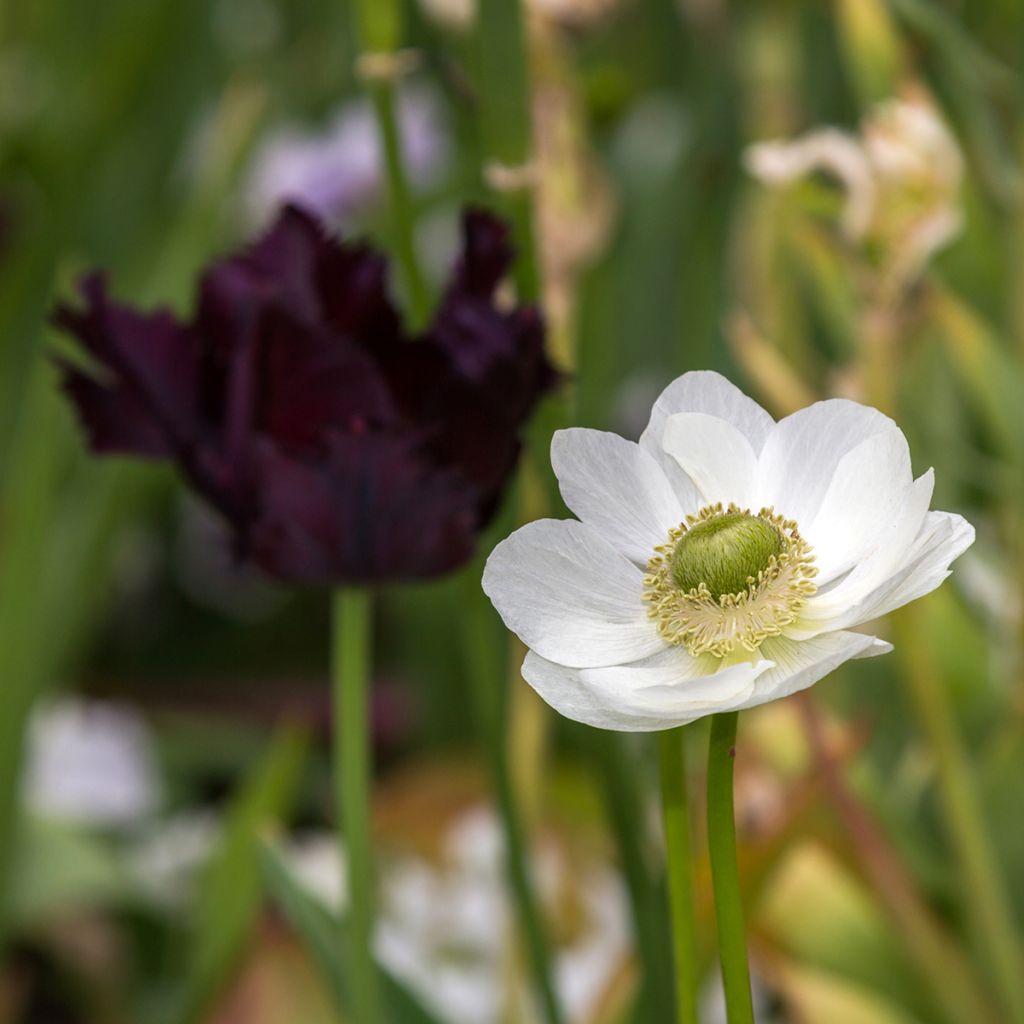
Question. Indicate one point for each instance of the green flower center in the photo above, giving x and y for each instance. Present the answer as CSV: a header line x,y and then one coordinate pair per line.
x,y
725,553
726,580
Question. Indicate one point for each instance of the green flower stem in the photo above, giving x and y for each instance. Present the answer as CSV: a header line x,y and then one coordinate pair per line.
x,y
486,670
379,32
506,125
732,946
350,672
402,218
616,767
675,814
987,901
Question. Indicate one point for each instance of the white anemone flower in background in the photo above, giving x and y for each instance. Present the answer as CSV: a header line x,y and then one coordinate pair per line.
x,y
447,930
722,561
901,178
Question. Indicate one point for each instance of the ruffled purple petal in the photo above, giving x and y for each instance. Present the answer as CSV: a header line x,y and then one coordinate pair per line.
x,y
500,351
141,399
298,268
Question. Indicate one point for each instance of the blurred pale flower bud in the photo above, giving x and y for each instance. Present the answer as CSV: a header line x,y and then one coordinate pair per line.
x,y
901,178
829,150
460,15
457,15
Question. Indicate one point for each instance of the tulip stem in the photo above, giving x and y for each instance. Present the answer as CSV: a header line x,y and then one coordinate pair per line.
x,y
675,813
350,672
378,27
401,204
486,671
506,127
732,946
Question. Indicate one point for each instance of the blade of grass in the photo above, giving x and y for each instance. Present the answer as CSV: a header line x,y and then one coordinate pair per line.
x,y
319,930
32,487
230,892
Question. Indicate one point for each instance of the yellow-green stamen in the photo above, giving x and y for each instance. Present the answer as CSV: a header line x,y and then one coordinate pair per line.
x,y
726,579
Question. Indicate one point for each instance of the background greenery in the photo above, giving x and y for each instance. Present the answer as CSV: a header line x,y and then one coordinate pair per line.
x,y
869,817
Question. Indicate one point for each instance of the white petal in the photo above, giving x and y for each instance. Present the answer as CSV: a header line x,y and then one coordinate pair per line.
x,y
710,393
801,455
943,537
563,688
801,663
717,458
871,488
896,543
568,594
669,689
616,488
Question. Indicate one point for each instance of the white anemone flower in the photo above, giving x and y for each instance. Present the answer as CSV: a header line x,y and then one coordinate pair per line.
x,y
722,561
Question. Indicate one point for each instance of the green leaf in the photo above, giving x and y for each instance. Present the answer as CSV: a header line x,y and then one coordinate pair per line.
x,y
311,920
325,937
231,890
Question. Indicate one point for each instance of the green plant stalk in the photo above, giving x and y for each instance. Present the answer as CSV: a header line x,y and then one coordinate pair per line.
x,y
725,881
33,481
379,33
403,221
486,672
506,126
647,892
350,674
988,904
675,814
959,992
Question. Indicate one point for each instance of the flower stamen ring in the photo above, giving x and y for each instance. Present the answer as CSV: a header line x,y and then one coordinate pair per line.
x,y
726,578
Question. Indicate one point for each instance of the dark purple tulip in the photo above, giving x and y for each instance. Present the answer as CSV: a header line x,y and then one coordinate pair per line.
x,y
339,449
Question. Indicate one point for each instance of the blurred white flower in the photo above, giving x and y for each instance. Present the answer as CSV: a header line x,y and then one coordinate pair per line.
x,y
901,177
828,149
92,763
317,861
168,855
335,172
446,926
720,562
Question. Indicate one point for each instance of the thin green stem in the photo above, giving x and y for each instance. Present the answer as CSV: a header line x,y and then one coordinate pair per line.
x,y
506,126
675,813
350,673
486,671
403,222
987,903
617,770
378,29
725,880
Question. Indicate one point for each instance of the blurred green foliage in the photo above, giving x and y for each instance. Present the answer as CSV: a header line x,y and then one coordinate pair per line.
x,y
126,129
